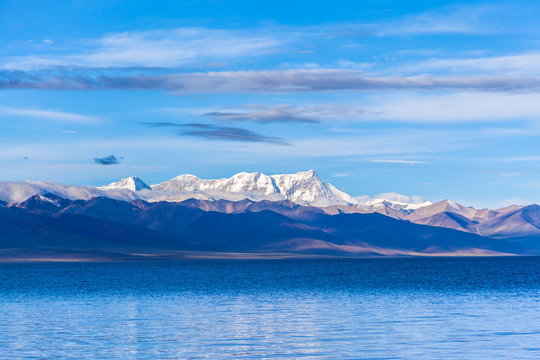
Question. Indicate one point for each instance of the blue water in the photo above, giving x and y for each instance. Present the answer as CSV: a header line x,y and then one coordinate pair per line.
x,y
474,308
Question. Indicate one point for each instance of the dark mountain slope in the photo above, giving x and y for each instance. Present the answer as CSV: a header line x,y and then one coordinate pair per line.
x,y
386,232
102,224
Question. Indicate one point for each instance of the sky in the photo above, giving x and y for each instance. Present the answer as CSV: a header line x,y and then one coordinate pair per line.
x,y
433,98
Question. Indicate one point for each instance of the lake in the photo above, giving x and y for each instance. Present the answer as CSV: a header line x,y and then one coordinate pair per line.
x,y
379,308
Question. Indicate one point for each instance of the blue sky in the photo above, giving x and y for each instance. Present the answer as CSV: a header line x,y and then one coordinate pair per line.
x,y
438,99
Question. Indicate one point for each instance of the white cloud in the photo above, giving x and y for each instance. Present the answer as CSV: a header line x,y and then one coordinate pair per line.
x,y
415,199
486,18
341,175
411,107
527,64
50,114
457,107
509,174
402,162
448,20
156,48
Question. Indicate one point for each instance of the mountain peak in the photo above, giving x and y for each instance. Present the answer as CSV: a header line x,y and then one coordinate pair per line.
x,y
303,187
132,183
308,174
451,204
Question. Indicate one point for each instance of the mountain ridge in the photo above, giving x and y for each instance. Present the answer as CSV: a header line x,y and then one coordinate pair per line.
x,y
282,193
48,224
304,187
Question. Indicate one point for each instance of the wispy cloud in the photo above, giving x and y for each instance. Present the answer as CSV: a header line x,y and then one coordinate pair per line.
x,y
452,19
214,132
155,48
265,114
338,175
107,160
292,80
410,107
525,64
200,46
159,124
509,174
402,162
50,114
456,107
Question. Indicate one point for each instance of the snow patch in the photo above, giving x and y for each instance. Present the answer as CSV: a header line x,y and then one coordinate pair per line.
x,y
453,204
51,201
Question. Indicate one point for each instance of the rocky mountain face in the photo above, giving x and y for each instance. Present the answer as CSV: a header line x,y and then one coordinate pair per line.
x,y
303,188
104,228
132,183
512,221
246,192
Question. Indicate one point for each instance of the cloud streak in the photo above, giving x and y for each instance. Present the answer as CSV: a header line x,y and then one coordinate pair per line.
x,y
402,162
410,107
49,114
196,46
511,65
265,114
214,132
294,80
464,19
155,48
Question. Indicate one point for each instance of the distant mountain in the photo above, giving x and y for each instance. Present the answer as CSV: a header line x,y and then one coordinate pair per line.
x,y
380,203
22,190
302,187
298,196
512,221
305,188
132,183
48,226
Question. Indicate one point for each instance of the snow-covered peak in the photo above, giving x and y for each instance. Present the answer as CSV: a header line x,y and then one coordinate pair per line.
x,y
132,183
453,204
304,187
394,201
396,205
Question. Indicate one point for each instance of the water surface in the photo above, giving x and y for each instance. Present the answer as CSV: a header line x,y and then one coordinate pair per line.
x,y
387,308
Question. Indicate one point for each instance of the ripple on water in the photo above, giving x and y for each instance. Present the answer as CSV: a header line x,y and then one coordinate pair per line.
x,y
312,309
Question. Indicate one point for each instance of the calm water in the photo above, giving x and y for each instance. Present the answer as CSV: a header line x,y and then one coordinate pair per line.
x,y
314,309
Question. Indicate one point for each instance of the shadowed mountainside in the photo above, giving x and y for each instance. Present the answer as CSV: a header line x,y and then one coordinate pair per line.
x,y
48,224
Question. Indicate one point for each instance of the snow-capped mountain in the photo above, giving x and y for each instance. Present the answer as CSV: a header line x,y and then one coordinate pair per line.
x,y
302,188
380,203
132,183
283,194
22,190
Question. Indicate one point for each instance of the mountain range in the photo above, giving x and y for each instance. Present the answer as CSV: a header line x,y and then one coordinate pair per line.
x,y
249,213
304,188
